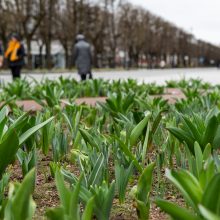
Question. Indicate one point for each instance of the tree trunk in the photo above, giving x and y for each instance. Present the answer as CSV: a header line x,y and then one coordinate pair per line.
x,y
40,56
95,59
29,56
49,34
48,54
113,58
67,57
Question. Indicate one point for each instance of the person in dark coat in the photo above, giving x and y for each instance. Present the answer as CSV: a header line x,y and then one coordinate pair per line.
x,y
83,57
15,55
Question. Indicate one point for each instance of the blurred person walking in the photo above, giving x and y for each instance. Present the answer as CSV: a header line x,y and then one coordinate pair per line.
x,y
15,55
83,57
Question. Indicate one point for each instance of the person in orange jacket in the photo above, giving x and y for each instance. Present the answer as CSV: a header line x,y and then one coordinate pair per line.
x,y
15,55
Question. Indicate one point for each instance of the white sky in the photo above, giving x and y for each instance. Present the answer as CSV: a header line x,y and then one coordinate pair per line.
x,y
199,17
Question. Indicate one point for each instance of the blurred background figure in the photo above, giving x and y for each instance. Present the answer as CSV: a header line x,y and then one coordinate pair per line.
x,y
15,55
162,64
1,55
83,57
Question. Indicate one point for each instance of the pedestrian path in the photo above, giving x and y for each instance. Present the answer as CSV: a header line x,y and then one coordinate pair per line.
x,y
159,76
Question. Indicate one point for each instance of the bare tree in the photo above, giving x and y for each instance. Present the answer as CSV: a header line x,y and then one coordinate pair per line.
x,y
110,25
27,16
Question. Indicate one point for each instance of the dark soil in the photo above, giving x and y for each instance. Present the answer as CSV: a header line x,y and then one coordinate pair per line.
x,y
46,195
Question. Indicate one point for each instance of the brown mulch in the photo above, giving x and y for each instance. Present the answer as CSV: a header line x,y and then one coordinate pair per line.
x,y
172,95
30,105
46,195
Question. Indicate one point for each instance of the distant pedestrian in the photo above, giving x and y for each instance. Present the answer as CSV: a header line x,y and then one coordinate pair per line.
x,y
1,55
83,57
15,55
162,64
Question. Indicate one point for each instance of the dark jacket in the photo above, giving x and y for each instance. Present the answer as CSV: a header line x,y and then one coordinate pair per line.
x,y
83,57
20,62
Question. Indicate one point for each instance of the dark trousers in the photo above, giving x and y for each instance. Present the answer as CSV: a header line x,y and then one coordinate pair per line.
x,y
16,71
83,76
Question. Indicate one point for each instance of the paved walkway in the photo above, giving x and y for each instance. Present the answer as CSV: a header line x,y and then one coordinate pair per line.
x,y
211,75
159,76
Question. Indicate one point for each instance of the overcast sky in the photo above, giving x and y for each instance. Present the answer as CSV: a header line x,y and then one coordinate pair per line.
x,y
199,17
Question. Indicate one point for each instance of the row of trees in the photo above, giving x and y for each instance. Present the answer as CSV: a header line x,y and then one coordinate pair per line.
x,y
110,25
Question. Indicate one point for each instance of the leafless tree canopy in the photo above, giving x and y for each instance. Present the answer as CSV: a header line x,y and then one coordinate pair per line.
x,y
109,25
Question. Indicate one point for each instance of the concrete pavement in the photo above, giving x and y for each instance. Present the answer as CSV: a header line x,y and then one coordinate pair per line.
x,y
159,76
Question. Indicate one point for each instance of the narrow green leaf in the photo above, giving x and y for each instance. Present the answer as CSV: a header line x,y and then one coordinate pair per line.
x,y
97,171
211,196
188,185
175,211
129,154
145,145
88,212
63,192
16,126
74,211
207,152
8,150
68,121
137,131
22,197
208,215
199,158
210,132
192,128
3,113
122,176
32,130
8,101
182,136
145,183
142,210
56,213
88,138
109,200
